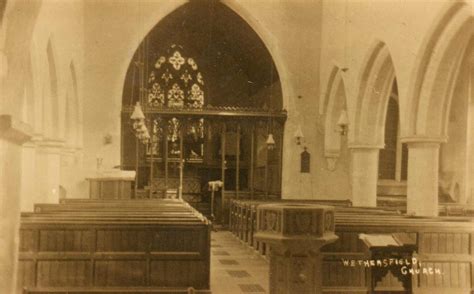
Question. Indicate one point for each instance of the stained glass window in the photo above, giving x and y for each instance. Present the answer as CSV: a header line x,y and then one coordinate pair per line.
x,y
175,81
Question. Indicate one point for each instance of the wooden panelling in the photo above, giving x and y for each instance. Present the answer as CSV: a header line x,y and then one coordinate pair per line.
x,y
64,240
169,273
95,244
62,273
120,273
28,240
335,274
453,275
347,242
444,243
26,273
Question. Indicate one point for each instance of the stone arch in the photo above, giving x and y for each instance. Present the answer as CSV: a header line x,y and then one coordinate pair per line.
x,y
71,121
333,105
52,92
371,105
76,106
18,29
29,95
430,92
264,34
269,40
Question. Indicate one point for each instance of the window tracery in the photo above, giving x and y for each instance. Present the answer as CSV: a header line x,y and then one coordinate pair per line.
x,y
175,82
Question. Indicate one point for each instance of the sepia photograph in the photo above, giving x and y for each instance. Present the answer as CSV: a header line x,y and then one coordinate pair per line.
x,y
236,146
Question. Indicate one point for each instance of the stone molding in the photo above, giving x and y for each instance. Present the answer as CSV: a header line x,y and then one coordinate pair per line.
x,y
423,139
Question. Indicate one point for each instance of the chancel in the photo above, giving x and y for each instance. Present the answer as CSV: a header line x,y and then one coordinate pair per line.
x,y
236,146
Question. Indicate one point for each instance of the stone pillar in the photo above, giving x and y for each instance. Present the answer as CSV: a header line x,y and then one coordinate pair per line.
x,y
364,175
295,234
28,187
68,171
48,171
422,182
12,135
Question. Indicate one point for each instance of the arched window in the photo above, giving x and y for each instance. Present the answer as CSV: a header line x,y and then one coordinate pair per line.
x,y
175,81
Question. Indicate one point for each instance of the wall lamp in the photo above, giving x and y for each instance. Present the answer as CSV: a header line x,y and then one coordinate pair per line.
x,y
299,136
138,119
270,142
342,123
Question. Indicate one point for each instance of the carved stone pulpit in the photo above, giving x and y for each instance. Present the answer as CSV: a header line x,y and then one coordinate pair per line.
x,y
295,234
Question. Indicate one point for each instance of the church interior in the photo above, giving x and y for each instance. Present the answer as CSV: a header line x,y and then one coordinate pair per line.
x,y
236,146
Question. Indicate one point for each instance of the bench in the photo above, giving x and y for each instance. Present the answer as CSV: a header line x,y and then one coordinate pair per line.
x,y
154,246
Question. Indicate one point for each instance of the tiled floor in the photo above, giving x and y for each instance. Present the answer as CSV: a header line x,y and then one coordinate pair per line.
x,y
235,268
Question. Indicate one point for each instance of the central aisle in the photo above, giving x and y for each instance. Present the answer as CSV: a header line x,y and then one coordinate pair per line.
x,y
236,268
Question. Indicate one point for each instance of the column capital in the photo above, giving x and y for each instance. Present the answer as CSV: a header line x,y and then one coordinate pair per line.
x,y
50,145
415,140
68,149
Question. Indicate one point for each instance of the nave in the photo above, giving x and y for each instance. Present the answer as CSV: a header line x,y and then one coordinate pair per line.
x,y
235,267
190,112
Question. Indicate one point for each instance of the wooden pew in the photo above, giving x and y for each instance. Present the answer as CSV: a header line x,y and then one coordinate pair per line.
x,y
442,243
101,247
242,217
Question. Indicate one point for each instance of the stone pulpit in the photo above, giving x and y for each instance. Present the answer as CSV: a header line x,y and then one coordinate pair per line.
x,y
295,234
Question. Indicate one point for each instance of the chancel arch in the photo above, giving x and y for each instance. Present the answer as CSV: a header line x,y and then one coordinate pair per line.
x,y
213,109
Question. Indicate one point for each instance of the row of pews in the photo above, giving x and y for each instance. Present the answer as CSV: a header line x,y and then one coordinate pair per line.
x,y
84,246
443,248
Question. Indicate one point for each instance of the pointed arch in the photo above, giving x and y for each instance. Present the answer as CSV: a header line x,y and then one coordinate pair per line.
x,y
52,92
430,92
335,103
372,100
76,119
264,33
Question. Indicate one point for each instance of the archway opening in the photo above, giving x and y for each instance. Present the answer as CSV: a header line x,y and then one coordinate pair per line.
x,y
212,104
393,158
456,155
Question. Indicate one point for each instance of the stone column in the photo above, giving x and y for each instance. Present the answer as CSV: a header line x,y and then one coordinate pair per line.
x,y
12,134
295,233
48,171
68,171
28,187
364,175
422,182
